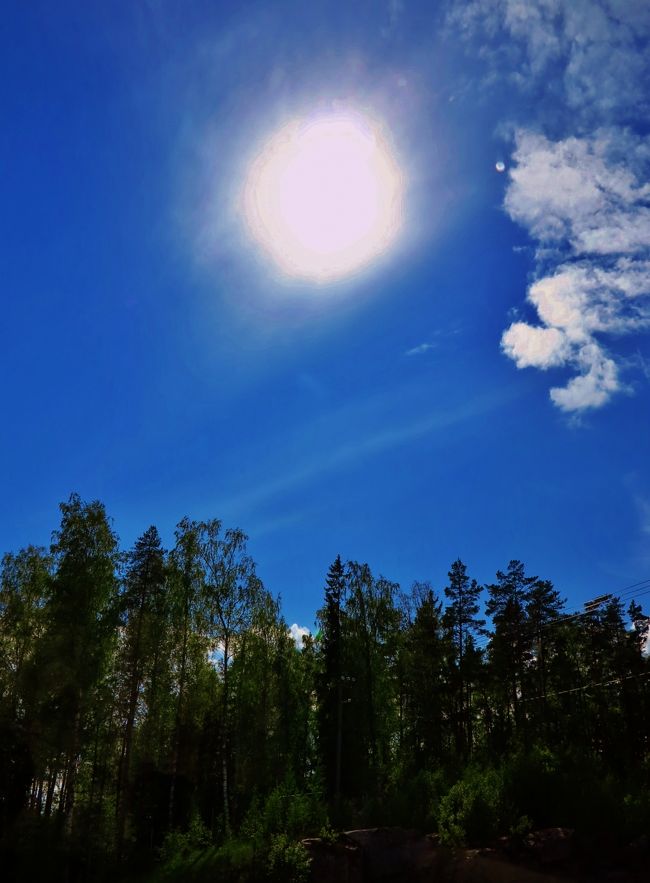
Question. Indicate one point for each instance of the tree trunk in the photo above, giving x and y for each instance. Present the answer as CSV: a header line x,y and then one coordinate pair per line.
x,y
224,742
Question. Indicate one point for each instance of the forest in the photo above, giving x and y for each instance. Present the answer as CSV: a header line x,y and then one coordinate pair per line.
x,y
155,708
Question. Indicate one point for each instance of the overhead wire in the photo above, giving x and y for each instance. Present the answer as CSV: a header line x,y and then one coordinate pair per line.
x,y
627,593
619,680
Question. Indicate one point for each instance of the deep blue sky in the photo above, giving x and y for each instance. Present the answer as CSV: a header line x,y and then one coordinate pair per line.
x,y
151,358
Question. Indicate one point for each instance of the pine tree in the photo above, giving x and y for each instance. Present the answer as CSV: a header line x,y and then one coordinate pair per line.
x,y
509,649
543,607
462,620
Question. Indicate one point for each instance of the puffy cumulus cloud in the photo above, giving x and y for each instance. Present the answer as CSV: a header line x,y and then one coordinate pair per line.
x,y
582,190
591,389
588,211
298,632
582,299
584,196
534,347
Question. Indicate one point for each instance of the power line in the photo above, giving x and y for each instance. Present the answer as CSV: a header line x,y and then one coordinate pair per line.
x,y
627,594
620,680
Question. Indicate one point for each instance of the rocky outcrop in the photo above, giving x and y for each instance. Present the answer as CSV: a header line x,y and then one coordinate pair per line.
x,y
550,846
394,855
334,862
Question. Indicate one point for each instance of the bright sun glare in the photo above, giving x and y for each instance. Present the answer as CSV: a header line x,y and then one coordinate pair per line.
x,y
324,196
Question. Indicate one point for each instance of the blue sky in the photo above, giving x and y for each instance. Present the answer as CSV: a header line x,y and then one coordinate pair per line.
x,y
480,391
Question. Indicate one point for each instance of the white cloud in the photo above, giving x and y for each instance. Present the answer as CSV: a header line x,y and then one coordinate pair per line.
x,y
535,347
594,387
581,190
588,212
582,299
584,52
420,349
584,197
297,632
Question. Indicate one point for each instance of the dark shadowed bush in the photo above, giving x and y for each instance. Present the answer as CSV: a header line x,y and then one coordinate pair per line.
x,y
178,846
533,784
413,800
286,810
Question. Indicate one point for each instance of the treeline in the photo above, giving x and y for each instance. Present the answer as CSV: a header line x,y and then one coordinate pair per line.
x,y
153,702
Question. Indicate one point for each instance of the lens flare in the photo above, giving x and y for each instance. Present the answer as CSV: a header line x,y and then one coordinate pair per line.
x,y
324,196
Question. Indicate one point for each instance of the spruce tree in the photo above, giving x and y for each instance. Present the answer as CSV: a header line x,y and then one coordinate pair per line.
x,y
330,685
141,632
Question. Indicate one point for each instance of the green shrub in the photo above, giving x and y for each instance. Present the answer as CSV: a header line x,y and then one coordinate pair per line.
x,y
412,799
328,835
469,815
288,861
574,790
520,829
534,785
235,860
636,814
178,846
286,810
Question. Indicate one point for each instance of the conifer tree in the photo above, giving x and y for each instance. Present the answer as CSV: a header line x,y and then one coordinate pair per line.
x,y
509,649
427,702
141,632
329,682
462,620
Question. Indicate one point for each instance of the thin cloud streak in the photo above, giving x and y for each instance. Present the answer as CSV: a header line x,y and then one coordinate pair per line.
x,y
373,443
420,349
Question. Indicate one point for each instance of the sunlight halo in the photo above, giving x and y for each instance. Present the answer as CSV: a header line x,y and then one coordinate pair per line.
x,y
324,196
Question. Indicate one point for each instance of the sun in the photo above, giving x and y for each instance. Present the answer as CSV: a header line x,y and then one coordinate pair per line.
x,y
324,196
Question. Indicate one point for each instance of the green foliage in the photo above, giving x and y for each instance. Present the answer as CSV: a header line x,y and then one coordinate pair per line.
x,y
636,814
469,814
549,788
235,860
286,810
413,799
329,835
520,829
153,705
288,861
179,846
533,783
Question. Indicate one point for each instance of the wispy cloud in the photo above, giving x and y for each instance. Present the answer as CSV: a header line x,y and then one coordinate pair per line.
x,y
369,441
584,54
420,349
643,505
